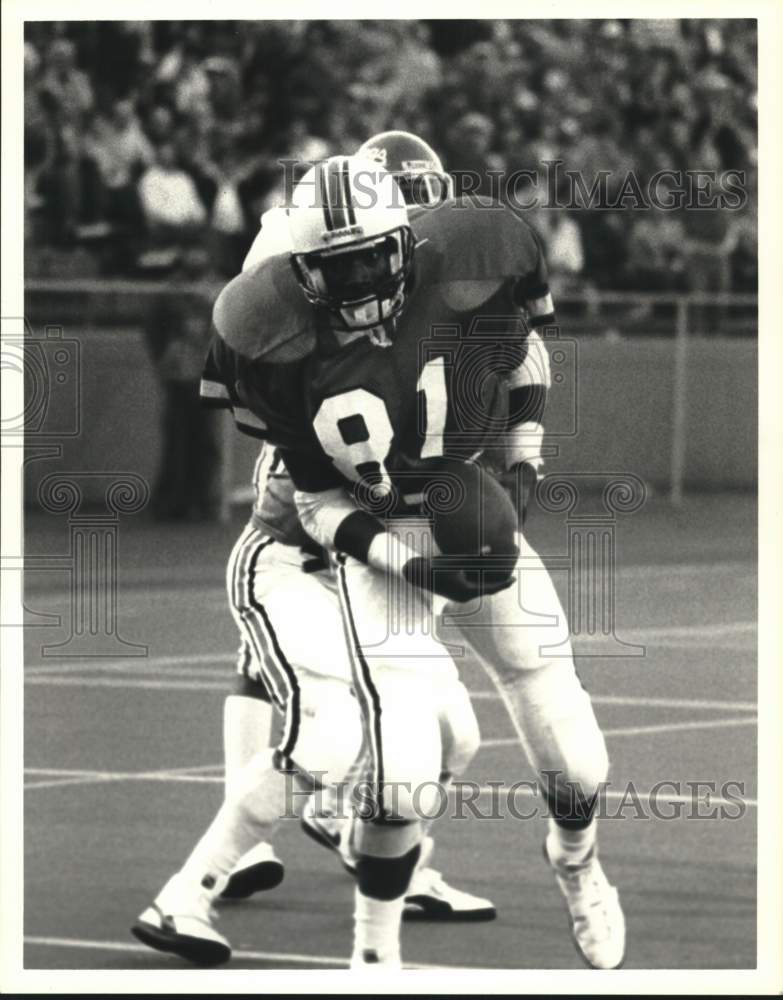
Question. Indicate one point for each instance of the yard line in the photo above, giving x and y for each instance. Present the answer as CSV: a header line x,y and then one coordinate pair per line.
x,y
484,694
128,682
644,702
130,663
714,630
148,584
206,779
191,775
252,956
666,727
62,782
153,664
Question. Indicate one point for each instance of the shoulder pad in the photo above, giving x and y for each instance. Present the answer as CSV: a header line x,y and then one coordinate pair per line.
x,y
263,315
478,239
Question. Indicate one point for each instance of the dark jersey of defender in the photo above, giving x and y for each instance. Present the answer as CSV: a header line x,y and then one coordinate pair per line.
x,y
342,414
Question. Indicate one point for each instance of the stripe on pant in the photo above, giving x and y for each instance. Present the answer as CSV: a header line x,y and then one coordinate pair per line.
x,y
292,714
253,543
366,692
276,672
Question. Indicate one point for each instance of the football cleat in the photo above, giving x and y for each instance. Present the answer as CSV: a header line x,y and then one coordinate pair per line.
x,y
256,871
368,958
597,921
430,897
180,922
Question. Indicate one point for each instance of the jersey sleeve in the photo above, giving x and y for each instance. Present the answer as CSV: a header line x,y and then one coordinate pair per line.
x,y
531,290
481,247
219,389
528,386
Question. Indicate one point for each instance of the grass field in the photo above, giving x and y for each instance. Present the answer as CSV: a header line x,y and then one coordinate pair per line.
x,y
122,764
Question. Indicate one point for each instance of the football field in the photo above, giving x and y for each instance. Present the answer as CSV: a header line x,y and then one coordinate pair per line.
x,y
123,763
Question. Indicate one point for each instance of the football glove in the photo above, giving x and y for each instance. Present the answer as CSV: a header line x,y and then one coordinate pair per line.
x,y
439,575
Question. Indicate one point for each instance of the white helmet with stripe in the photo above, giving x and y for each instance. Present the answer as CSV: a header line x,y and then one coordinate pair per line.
x,y
352,244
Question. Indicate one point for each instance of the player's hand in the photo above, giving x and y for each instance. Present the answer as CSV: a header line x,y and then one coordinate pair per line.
x,y
520,484
439,575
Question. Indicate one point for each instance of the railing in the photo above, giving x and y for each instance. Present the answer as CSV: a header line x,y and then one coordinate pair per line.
x,y
121,303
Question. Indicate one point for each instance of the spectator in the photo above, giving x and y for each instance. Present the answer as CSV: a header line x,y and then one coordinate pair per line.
x,y
67,88
38,138
160,124
601,95
177,335
563,243
655,257
120,151
169,199
472,156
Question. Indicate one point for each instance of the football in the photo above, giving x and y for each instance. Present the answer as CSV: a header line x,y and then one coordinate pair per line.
x,y
472,515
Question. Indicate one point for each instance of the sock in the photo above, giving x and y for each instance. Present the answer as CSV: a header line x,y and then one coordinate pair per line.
x,y
247,723
387,853
570,845
377,924
248,815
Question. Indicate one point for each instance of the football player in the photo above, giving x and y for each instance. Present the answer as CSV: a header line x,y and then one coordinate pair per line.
x,y
363,293
248,711
276,574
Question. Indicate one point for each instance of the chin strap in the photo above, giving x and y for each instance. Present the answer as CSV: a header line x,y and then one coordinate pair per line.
x,y
378,337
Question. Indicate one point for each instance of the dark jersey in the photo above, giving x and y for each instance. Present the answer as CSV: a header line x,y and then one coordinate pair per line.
x,y
340,414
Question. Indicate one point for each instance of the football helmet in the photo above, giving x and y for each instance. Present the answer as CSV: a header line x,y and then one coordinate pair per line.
x,y
352,244
414,165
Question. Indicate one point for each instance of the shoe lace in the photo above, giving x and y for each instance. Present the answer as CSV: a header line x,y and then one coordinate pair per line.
x,y
589,892
430,876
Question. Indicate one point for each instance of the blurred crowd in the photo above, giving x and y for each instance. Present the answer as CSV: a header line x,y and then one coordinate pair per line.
x,y
142,138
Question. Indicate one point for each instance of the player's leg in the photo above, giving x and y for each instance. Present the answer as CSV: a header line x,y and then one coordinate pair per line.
x,y
316,723
522,636
429,896
395,663
247,720
285,580
247,729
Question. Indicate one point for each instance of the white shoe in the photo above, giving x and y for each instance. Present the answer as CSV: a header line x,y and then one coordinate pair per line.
x,y
597,921
429,897
180,922
369,958
256,871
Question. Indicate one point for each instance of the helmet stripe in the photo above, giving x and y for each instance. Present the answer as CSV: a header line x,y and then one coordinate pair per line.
x,y
335,195
347,194
324,192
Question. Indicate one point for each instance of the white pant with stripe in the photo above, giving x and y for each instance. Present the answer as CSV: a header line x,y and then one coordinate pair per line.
x,y
417,717
293,639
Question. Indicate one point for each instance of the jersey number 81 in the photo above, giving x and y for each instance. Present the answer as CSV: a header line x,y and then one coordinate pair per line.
x,y
356,433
